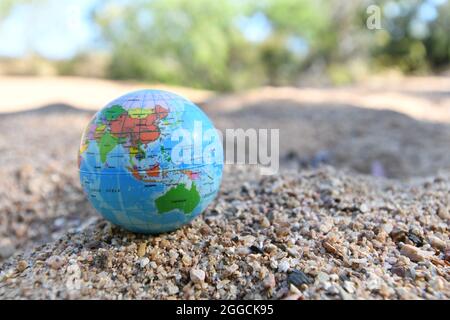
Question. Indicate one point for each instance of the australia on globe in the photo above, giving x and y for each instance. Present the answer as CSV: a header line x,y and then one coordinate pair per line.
x,y
150,161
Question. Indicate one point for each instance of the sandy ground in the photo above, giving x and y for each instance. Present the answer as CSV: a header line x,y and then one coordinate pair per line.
x,y
425,98
360,208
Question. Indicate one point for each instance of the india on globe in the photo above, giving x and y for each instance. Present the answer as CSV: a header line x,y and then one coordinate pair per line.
x,y
150,161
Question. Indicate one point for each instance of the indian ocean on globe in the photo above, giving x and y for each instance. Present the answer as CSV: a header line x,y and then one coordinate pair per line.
x,y
150,161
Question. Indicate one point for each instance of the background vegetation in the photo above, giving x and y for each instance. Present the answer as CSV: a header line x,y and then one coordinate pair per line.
x,y
231,44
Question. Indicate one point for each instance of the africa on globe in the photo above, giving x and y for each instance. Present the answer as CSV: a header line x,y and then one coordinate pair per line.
x,y
150,161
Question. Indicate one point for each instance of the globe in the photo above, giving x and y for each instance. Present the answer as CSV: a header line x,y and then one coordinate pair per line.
x,y
150,161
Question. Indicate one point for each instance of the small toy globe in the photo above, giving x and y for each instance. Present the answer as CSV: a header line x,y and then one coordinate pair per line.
x,y
150,161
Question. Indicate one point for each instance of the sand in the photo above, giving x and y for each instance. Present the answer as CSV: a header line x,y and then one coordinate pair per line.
x,y
359,210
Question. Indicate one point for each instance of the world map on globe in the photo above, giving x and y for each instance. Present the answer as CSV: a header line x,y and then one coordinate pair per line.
x,y
129,168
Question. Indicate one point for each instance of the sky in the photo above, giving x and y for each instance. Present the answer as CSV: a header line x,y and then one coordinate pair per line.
x,y
61,29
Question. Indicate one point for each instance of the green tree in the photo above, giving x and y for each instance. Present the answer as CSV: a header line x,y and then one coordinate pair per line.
x,y
199,43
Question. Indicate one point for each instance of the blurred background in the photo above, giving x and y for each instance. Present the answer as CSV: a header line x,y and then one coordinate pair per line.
x,y
225,45
361,86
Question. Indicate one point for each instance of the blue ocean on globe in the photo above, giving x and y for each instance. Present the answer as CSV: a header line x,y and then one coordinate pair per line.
x,y
150,161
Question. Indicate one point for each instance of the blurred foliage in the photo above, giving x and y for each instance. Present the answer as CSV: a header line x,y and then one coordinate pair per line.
x,y
412,39
234,44
177,41
199,43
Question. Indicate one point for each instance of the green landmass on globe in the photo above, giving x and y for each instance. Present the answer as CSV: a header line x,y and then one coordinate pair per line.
x,y
179,198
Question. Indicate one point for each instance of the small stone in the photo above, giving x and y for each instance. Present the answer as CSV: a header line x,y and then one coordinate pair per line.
x,y
144,262
413,253
438,283
364,208
141,249
344,295
283,266
205,230
242,251
398,235
322,277
399,270
293,289
187,260
298,278
55,262
418,242
269,281
256,250
387,227
21,230
294,296
231,269
282,232
326,226
292,252
172,289
59,223
265,223
248,240
21,265
6,248
273,264
197,275
349,287
93,244
443,213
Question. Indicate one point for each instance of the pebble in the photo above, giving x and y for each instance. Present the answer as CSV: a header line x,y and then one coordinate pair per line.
x,y
413,253
364,208
349,287
399,270
387,227
271,242
269,281
437,243
283,266
255,249
231,269
415,239
187,260
55,262
398,235
326,226
444,213
298,278
265,223
144,262
332,249
6,248
248,240
322,277
141,249
21,265
197,275
172,289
